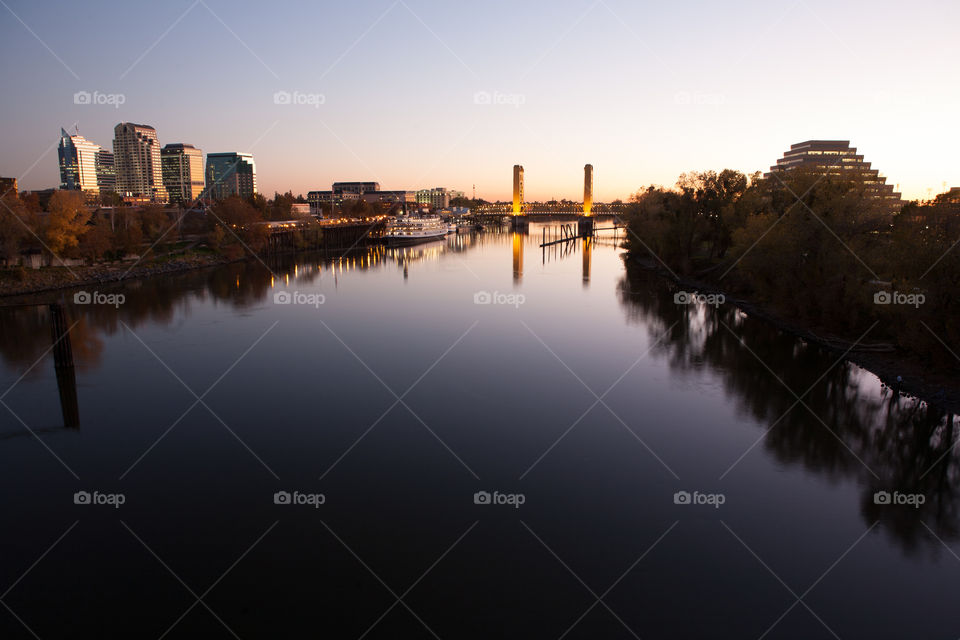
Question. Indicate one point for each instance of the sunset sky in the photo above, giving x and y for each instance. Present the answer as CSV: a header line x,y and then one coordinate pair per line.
x,y
644,91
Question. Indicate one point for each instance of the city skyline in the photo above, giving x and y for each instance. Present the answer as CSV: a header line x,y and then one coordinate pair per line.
x,y
347,103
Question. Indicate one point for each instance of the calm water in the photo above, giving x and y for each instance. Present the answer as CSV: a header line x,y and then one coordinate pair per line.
x,y
384,391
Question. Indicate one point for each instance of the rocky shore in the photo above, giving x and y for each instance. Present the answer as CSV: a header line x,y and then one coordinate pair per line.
x,y
28,281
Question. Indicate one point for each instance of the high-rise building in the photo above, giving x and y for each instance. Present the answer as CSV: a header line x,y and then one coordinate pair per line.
x,y
182,169
106,172
437,198
78,163
837,158
587,189
517,189
137,160
230,174
359,188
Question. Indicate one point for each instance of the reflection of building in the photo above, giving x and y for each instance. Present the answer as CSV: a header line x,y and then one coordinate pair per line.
x,y
517,256
517,189
8,187
587,189
437,198
231,174
837,158
78,163
587,257
182,172
137,160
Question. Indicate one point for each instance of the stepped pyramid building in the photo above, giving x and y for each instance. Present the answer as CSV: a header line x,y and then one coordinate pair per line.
x,y
837,157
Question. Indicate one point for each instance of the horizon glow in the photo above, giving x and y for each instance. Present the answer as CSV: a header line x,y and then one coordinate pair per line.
x,y
420,93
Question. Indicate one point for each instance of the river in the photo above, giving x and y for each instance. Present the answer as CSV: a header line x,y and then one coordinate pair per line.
x,y
471,438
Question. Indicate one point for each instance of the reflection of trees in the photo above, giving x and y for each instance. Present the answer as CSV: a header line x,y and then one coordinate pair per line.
x,y
906,443
157,300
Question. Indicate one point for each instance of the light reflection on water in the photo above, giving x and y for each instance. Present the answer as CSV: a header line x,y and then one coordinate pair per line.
x,y
411,378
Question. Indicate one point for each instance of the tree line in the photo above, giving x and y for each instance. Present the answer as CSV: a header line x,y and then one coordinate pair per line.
x,y
68,228
822,250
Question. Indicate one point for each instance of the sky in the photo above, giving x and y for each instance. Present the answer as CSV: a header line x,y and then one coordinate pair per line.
x,y
426,93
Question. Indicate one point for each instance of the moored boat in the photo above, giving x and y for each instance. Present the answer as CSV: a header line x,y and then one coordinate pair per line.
x,y
412,229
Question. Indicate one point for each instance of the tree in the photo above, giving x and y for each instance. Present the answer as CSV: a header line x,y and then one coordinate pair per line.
x,y
96,242
281,206
358,209
17,226
241,226
127,231
155,223
66,222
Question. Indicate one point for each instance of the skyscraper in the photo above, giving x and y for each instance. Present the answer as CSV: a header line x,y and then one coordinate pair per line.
x,y
137,160
517,189
837,158
78,163
182,168
106,172
230,174
587,189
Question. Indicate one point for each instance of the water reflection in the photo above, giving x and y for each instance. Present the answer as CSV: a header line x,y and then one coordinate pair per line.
x,y
518,240
868,435
846,426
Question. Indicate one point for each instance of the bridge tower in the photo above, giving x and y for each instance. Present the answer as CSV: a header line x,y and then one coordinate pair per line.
x,y
585,222
517,190
587,189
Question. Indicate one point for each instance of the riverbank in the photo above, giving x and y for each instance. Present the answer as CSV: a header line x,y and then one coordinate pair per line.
x,y
939,388
18,282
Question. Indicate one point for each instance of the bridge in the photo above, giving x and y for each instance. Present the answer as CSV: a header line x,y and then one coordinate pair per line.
x,y
545,209
520,212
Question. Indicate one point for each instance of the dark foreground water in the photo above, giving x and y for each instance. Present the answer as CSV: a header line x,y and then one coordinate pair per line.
x,y
459,440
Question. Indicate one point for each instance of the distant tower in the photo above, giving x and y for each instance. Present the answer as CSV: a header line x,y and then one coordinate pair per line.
x,y
587,189
517,189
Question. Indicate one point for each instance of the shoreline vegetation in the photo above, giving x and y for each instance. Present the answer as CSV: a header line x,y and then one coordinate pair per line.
x,y
75,243
819,257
